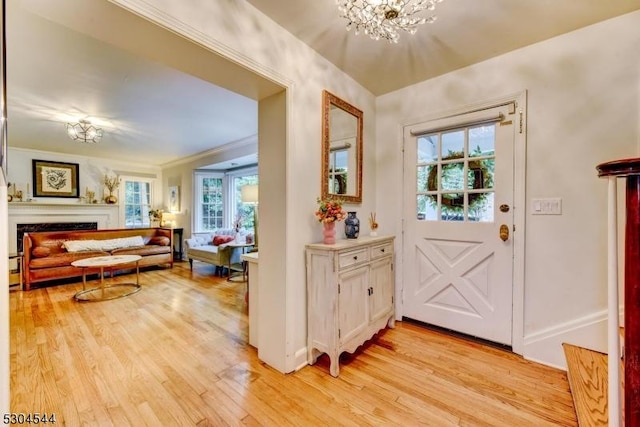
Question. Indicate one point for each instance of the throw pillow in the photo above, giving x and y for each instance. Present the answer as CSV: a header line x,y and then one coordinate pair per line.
x,y
160,241
41,252
103,245
221,240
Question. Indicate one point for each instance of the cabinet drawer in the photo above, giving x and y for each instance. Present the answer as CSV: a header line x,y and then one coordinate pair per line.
x,y
347,259
381,250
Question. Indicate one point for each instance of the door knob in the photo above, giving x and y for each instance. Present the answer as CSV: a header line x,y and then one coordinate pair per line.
x,y
504,232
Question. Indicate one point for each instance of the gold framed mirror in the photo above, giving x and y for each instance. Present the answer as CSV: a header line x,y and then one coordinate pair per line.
x,y
341,149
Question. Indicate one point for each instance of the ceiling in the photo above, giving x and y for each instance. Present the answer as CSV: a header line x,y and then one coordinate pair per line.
x,y
154,97
466,32
163,99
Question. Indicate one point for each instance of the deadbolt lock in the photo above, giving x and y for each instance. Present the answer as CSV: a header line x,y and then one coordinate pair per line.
x,y
504,232
504,208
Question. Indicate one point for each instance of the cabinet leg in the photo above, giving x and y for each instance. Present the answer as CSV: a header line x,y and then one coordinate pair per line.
x,y
334,368
392,322
312,356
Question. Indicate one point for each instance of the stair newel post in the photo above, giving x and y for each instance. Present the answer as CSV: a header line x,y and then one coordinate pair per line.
x,y
632,304
613,325
629,169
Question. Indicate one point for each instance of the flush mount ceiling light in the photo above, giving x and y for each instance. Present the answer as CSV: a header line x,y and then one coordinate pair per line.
x,y
84,131
384,18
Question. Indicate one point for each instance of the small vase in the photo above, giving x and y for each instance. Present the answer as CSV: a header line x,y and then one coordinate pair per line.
x,y
352,226
111,199
329,233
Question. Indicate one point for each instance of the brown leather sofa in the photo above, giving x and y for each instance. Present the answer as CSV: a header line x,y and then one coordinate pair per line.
x,y
46,257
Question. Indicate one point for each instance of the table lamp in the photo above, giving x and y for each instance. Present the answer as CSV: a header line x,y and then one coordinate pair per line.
x,y
249,195
168,219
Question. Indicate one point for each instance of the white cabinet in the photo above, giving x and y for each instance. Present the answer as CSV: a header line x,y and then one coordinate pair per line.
x,y
350,289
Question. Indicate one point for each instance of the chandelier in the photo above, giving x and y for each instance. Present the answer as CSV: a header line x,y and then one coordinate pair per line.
x,y
84,131
384,18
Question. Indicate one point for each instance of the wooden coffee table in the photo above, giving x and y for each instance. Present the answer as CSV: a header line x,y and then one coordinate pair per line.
x,y
106,292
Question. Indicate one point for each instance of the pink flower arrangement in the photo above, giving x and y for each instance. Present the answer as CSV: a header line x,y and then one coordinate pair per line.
x,y
330,210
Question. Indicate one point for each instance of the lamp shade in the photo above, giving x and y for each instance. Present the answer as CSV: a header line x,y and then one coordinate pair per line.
x,y
168,219
249,194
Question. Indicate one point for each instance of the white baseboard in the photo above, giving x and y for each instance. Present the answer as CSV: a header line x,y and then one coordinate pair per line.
x,y
546,346
301,358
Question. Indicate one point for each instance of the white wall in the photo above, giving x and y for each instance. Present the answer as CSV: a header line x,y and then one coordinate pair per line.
x,y
271,51
583,97
91,173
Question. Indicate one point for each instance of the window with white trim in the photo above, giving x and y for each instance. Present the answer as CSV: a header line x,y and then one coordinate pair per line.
x,y
209,201
244,212
136,199
217,202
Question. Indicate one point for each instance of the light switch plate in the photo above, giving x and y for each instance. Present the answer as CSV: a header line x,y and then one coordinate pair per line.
x,y
548,206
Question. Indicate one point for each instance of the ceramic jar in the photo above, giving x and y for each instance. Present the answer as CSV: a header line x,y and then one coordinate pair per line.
x,y
352,226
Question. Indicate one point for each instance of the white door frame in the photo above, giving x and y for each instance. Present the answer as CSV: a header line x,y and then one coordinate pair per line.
x,y
519,205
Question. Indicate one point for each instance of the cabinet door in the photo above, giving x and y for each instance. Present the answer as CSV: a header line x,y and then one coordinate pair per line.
x,y
381,298
352,304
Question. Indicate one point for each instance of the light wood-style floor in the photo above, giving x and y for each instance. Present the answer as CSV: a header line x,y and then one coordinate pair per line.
x,y
176,353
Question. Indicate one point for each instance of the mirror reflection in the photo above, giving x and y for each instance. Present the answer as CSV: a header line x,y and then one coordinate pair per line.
x,y
342,149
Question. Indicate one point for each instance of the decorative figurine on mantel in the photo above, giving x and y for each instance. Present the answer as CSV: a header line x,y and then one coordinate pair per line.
x,y
112,183
90,196
17,194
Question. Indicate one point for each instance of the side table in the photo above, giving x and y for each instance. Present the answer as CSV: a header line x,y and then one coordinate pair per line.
x,y
238,267
177,240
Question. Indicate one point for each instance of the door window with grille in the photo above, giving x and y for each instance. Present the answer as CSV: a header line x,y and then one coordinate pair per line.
x,y
454,175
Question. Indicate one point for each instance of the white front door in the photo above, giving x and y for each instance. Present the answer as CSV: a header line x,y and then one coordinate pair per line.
x,y
458,223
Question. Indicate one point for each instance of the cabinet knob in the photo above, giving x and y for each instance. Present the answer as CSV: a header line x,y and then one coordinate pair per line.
x,y
382,250
355,257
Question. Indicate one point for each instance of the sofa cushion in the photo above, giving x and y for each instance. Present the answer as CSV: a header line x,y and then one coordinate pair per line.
x,y
63,259
206,252
222,239
103,245
143,251
41,252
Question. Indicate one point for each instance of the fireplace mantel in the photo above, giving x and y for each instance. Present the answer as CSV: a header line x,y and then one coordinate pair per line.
x,y
74,205
106,216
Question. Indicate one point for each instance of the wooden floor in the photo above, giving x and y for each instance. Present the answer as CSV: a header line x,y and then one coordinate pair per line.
x,y
176,353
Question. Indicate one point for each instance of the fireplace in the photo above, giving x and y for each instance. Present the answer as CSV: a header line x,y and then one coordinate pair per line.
x,y
51,226
38,214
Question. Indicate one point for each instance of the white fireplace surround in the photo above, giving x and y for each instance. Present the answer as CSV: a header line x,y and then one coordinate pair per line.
x,y
106,216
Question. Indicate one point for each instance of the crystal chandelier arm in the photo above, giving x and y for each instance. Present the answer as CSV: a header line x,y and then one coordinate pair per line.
x,y
384,18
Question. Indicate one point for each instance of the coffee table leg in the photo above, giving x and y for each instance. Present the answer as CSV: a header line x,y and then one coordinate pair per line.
x,y
84,279
138,273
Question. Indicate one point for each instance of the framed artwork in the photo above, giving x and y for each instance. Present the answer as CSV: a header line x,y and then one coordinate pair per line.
x,y
174,198
55,179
